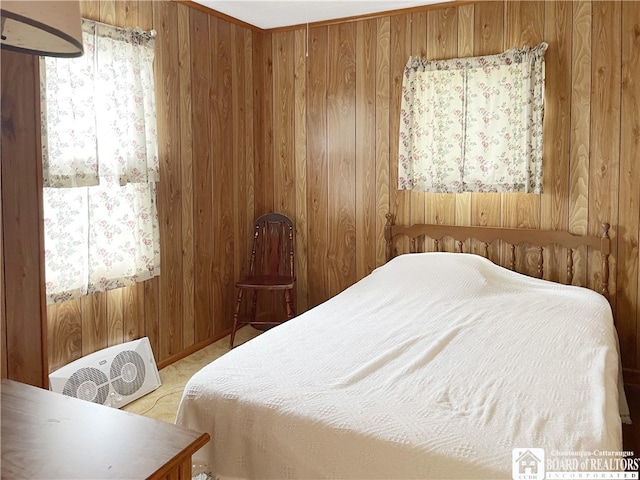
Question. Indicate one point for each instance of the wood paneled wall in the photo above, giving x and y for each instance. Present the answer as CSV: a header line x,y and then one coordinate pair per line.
x,y
332,143
205,95
306,123
24,356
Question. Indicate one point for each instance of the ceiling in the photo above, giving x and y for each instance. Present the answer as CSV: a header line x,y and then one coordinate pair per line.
x,y
267,14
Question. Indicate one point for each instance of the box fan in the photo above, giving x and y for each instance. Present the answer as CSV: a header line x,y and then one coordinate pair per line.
x,y
113,376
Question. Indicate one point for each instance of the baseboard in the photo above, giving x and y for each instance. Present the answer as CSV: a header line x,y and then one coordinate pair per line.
x,y
193,349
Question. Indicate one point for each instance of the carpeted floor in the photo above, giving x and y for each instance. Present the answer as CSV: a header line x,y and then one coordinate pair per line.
x,y
162,404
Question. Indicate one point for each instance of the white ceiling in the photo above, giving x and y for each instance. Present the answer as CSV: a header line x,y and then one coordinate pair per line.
x,y
268,14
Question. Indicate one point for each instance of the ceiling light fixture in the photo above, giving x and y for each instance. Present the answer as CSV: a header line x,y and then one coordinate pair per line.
x,y
42,28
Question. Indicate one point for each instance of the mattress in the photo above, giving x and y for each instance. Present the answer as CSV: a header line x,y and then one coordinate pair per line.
x,y
436,365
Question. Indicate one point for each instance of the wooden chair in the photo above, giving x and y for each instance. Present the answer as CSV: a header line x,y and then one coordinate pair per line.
x,y
270,268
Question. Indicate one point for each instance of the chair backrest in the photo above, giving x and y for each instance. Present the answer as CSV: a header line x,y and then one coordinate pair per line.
x,y
273,244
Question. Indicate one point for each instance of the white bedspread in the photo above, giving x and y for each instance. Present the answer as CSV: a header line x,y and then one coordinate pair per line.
x,y
436,365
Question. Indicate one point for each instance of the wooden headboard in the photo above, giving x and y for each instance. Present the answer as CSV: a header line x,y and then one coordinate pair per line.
x,y
540,239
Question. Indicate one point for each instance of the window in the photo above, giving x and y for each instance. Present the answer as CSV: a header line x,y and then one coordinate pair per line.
x,y
100,164
473,124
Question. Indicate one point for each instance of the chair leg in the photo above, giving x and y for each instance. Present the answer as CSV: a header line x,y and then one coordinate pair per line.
x,y
235,317
254,306
291,311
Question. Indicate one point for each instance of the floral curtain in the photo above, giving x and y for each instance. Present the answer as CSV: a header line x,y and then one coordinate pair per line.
x,y
100,164
473,124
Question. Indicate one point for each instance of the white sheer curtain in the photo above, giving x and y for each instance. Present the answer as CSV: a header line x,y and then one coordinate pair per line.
x,y
473,124
100,164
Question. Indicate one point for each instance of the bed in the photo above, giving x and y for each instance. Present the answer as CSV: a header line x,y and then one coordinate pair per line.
x,y
436,365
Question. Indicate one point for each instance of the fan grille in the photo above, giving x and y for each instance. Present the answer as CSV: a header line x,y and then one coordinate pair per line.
x,y
88,384
127,372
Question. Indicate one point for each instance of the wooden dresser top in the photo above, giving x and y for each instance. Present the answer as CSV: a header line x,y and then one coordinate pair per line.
x,y
49,435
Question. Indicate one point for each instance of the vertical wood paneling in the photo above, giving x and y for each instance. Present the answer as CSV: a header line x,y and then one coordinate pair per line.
x,y
186,184
341,88
65,332
524,23
206,87
152,314
245,234
219,105
232,153
21,190
629,192
94,326
222,144
488,28
202,167
382,133
317,166
115,317
145,14
264,171
300,159
90,9
242,99
554,205
239,153
365,173
283,126
133,313
570,133
263,90
108,11
605,137
126,14
580,122
400,45
321,135
465,30
284,190
250,108
165,16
